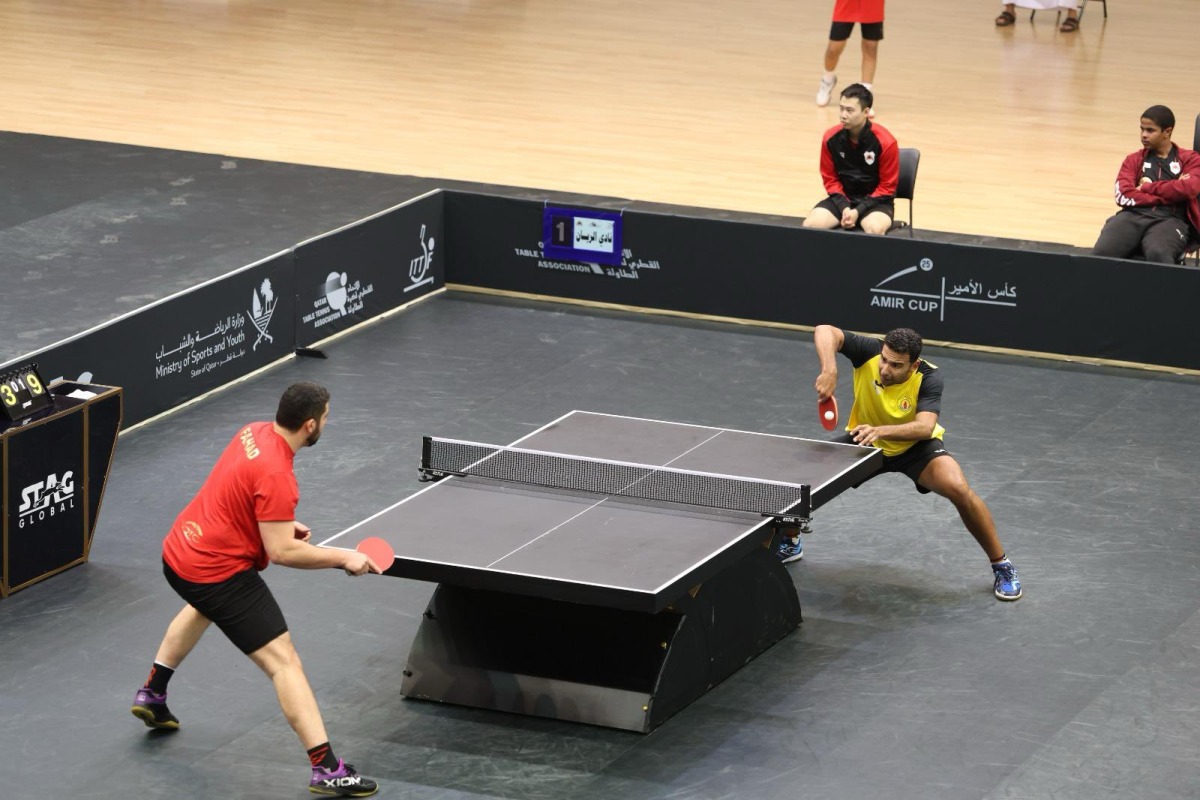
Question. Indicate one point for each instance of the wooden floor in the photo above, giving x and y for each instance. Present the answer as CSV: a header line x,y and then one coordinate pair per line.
x,y
707,104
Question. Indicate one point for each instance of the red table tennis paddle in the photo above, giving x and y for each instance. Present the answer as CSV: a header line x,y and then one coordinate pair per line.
x,y
378,551
827,410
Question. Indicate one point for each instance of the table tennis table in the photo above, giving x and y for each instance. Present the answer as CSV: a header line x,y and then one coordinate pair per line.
x,y
603,569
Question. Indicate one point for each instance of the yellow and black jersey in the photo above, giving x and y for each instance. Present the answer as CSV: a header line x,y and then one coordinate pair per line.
x,y
876,404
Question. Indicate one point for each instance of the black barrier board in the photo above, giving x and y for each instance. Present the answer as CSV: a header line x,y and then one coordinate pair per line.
x,y
366,269
187,344
1041,302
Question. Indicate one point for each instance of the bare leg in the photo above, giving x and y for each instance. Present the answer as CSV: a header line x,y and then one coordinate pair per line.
x,y
821,218
182,635
877,223
280,661
944,476
833,51
870,55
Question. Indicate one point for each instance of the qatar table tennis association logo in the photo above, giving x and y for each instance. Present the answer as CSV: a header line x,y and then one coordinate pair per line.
x,y
420,268
262,308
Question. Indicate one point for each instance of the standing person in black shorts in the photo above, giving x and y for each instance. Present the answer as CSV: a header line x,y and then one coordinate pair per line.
x,y
243,518
897,401
860,167
869,16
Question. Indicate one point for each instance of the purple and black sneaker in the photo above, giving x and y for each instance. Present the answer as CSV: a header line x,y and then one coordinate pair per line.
x,y
151,708
343,782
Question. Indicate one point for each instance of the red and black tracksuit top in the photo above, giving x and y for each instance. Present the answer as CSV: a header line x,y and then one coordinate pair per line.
x,y
861,174
1173,191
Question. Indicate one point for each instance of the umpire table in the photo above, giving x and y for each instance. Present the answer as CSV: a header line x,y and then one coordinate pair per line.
x,y
603,569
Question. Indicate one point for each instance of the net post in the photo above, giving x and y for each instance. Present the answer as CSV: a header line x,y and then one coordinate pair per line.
x,y
798,513
426,474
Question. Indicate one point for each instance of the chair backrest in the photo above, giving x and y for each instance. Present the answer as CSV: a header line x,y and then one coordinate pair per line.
x,y
910,158
1196,135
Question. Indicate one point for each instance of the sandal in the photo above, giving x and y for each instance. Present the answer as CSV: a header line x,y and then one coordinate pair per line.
x,y
1005,19
1069,25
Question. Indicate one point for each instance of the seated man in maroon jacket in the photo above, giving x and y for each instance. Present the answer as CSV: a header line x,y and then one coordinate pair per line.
x,y
860,165
1156,189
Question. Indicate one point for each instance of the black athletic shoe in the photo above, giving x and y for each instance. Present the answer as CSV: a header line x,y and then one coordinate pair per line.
x,y
151,708
343,782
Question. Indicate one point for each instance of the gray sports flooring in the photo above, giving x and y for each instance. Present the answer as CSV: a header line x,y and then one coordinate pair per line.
x,y
907,679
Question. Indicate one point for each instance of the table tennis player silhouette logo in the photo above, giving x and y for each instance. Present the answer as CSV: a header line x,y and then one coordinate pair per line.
x,y
419,268
262,308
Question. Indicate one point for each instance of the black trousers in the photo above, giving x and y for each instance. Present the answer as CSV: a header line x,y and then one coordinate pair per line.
x,y
1127,234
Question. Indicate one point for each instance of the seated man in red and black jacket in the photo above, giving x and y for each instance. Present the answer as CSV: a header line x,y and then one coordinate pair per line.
x,y
860,165
1157,190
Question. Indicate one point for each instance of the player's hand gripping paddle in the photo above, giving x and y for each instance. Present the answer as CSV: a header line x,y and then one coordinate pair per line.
x,y
378,551
827,410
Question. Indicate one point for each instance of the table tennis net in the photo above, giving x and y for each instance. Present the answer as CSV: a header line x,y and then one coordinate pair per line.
x,y
599,476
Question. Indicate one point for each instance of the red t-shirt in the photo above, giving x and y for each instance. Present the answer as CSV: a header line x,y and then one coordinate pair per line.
x,y
216,536
858,11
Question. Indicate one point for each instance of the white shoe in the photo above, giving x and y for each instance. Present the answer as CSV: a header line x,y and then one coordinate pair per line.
x,y
825,91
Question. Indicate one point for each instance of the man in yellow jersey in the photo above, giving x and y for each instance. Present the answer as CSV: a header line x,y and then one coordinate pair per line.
x,y
897,400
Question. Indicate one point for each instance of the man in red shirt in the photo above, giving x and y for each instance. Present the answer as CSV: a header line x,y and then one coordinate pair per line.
x,y
243,518
1157,190
860,165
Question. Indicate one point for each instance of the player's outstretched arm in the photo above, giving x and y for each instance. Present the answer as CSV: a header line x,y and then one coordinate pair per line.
x,y
828,341
285,549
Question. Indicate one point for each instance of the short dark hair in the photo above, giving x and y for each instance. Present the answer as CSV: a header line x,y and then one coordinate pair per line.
x,y
906,341
1161,116
860,93
300,403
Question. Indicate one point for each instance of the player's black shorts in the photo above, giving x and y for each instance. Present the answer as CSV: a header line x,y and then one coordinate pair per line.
x,y
242,607
871,31
887,207
911,462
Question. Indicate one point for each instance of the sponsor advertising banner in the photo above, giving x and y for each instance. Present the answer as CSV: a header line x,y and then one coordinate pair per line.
x,y
44,499
366,269
1042,302
188,344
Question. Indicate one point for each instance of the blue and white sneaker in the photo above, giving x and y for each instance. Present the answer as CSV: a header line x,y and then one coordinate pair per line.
x,y
1008,586
790,550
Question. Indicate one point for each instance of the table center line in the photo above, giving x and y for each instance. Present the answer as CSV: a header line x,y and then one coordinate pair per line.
x,y
599,502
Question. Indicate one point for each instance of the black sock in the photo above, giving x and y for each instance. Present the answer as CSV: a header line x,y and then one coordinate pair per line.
x,y
159,675
322,756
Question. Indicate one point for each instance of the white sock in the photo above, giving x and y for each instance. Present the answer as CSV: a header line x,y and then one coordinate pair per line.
x,y
828,76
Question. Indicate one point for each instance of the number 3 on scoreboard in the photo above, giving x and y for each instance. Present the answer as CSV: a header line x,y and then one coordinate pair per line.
x,y
8,395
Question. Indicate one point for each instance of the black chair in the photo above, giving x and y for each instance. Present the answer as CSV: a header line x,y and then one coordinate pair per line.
x,y
906,184
1082,7
1196,135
